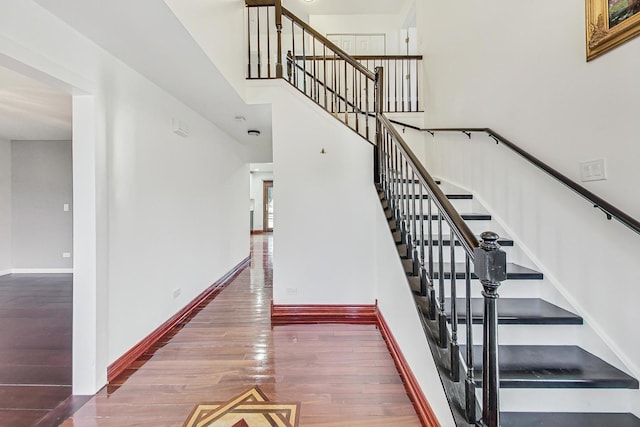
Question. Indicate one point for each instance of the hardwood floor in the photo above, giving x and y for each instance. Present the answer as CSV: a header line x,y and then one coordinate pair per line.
x,y
35,346
343,375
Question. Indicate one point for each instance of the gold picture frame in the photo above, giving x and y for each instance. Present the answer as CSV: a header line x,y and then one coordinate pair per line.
x,y
609,23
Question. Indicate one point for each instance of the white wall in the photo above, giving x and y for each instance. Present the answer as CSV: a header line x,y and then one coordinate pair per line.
x,y
177,208
323,241
528,80
588,259
218,21
395,302
5,206
257,180
522,71
147,217
41,184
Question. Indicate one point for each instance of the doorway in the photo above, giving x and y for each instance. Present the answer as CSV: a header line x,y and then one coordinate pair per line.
x,y
267,206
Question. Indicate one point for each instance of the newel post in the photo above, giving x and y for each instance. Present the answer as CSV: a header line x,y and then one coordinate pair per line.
x,y
377,107
278,5
490,266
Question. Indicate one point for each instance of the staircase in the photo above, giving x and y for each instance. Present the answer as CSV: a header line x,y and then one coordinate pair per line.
x,y
522,366
540,368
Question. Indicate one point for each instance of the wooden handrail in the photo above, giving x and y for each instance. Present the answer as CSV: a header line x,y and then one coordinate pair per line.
x,y
598,202
364,57
332,46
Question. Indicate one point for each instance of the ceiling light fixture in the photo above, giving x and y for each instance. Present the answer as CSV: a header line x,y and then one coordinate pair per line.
x,y
253,132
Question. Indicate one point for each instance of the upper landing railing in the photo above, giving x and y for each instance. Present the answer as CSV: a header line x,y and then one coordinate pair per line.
x,y
282,45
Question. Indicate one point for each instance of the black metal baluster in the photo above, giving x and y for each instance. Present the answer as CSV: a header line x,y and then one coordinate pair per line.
x,y
389,87
354,92
395,73
454,348
294,61
278,19
409,104
268,47
403,81
315,72
344,95
334,86
423,274
324,70
414,232
432,290
249,42
403,200
258,43
366,82
304,63
442,316
469,384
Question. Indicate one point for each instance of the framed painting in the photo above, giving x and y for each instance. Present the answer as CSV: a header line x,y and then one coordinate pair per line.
x,y
610,23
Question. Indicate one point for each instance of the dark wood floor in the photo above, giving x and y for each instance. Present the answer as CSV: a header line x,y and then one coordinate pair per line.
x,y
343,375
35,346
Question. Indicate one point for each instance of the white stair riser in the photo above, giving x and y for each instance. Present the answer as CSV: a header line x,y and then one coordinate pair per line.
x,y
508,288
527,334
461,205
564,400
476,226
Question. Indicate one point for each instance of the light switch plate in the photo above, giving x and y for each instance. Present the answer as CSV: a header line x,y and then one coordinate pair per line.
x,y
593,170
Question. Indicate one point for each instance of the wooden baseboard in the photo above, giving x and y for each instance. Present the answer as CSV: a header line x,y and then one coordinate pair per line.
x,y
352,314
124,361
257,231
360,314
420,403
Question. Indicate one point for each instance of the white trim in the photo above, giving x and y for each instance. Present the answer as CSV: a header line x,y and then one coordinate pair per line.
x,y
5,272
40,271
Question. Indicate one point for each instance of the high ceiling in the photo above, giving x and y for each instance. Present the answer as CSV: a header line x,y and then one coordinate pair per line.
x,y
30,110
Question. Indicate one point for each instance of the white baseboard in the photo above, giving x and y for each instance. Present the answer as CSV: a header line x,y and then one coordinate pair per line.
x,y
41,270
5,272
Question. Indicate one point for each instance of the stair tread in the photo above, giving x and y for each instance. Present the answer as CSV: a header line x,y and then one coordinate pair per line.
x,y
469,216
452,196
446,241
567,419
514,271
521,311
553,366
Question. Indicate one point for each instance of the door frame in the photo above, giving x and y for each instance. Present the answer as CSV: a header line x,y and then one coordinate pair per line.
x,y
265,205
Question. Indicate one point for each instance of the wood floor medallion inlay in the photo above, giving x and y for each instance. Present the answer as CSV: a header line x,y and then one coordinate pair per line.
x,y
249,409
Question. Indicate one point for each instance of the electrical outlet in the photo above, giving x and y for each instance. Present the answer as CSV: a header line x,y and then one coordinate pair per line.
x,y
593,170
292,292
66,254
176,293
65,207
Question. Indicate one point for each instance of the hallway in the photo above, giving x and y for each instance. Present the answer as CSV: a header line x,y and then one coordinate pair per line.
x,y
35,346
341,374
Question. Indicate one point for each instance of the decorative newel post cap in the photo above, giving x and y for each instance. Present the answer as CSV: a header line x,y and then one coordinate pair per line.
x,y
490,263
489,236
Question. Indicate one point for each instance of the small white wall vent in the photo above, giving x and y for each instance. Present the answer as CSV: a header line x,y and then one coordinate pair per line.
x,y
179,127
